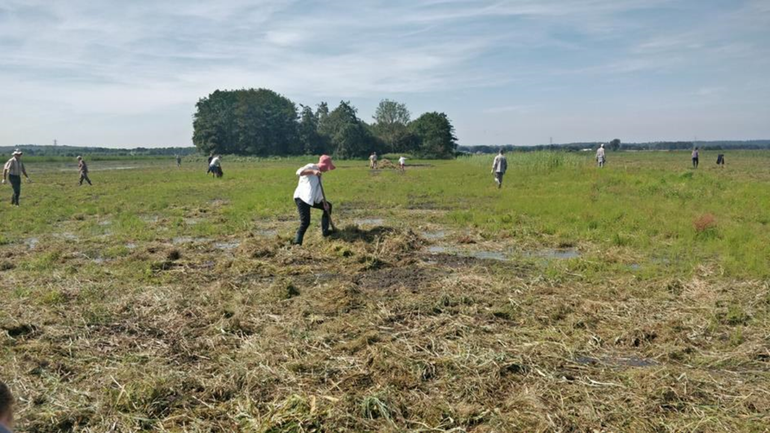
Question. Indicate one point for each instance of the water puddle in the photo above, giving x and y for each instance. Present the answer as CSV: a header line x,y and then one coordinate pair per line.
x,y
227,246
482,255
188,240
438,234
369,221
489,255
32,243
559,254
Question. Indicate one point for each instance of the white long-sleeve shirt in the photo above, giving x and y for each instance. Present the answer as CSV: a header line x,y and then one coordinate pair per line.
x,y
600,153
309,186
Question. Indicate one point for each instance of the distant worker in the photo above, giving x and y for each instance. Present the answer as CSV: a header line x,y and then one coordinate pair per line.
x,y
600,158
83,169
499,167
309,194
13,170
6,409
215,166
208,167
695,158
721,160
402,164
373,161
178,161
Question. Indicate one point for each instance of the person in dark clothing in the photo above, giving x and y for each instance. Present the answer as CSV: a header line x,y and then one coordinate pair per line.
x,y
208,167
13,170
83,168
309,194
721,159
6,409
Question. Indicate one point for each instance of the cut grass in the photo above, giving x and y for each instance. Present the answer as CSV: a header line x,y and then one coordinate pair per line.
x,y
155,300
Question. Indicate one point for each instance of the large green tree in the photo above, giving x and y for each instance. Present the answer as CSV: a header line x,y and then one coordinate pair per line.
x,y
435,135
391,126
246,122
349,136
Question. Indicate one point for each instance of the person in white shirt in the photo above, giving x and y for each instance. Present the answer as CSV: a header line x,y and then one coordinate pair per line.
x,y
402,163
499,167
215,166
373,161
309,195
600,159
13,170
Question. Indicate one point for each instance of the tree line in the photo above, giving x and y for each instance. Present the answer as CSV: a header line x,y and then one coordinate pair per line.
x,y
261,122
616,144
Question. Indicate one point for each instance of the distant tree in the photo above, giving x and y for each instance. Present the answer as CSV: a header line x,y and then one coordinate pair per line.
x,y
214,123
311,141
349,136
615,145
435,135
246,122
391,127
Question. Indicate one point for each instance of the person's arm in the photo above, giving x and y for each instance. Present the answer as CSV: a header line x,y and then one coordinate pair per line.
x,y
5,173
24,171
310,172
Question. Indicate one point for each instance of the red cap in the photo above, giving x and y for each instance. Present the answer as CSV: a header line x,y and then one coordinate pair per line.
x,y
325,163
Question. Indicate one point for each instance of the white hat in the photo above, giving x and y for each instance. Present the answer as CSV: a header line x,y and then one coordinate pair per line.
x,y
17,152
602,145
80,157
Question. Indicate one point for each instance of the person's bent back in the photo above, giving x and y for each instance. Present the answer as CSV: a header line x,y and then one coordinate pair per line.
x,y
6,409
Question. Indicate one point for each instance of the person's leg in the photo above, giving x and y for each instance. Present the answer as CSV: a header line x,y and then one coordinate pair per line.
x,y
499,177
16,185
82,176
88,180
304,220
325,218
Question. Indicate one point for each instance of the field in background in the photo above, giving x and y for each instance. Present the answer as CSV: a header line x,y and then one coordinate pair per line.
x,y
629,298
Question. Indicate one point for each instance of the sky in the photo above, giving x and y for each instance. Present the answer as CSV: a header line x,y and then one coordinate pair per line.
x,y
128,73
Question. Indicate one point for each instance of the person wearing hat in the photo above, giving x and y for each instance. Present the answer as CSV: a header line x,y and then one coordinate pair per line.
x,y
309,194
12,171
499,167
83,168
600,158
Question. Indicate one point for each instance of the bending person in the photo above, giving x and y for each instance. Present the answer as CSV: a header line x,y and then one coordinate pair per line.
x,y
310,195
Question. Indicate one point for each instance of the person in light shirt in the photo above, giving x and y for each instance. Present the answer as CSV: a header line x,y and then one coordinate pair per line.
x,y
600,158
402,163
13,170
310,195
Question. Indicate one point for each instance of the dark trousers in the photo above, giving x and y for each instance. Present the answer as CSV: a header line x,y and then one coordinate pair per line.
x,y
16,185
695,162
499,178
84,177
304,219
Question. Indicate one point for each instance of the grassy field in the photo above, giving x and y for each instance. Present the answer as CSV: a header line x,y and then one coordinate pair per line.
x,y
633,298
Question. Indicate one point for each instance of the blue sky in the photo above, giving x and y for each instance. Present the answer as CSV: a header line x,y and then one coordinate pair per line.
x,y
128,73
